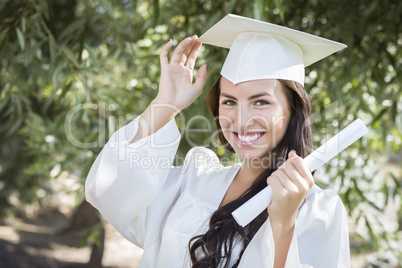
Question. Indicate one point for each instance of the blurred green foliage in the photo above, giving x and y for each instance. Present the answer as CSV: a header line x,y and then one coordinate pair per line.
x,y
73,71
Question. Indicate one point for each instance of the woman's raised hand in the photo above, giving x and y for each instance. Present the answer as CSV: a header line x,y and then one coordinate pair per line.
x,y
176,85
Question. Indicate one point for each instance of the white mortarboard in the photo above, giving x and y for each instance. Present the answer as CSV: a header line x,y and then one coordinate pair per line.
x,y
261,50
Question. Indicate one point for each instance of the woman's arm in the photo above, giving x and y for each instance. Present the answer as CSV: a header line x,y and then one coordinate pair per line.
x,y
290,186
320,237
176,87
126,179
282,234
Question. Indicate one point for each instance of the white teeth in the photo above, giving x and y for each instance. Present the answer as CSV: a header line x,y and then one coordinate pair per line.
x,y
249,138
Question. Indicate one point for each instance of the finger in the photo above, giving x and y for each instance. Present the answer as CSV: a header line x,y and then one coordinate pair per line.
x,y
192,56
201,77
182,50
286,182
292,153
274,182
295,176
301,167
179,50
164,54
184,58
277,187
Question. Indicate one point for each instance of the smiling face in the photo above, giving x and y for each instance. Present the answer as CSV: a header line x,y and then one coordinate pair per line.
x,y
253,115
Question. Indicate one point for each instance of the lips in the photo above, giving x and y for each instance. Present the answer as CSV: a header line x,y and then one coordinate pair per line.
x,y
248,138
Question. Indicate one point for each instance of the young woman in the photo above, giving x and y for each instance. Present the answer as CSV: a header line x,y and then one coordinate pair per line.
x,y
181,215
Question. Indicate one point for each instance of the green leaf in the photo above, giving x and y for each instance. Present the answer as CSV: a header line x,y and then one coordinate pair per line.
x,y
13,129
24,25
108,7
278,4
3,33
397,183
72,29
21,39
52,49
42,6
69,54
3,103
94,59
111,98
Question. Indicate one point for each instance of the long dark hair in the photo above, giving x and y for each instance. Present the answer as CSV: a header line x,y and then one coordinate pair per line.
x,y
216,244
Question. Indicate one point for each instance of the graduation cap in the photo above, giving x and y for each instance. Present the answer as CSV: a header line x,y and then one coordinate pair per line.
x,y
261,50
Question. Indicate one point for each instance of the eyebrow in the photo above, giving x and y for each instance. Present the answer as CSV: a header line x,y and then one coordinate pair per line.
x,y
250,98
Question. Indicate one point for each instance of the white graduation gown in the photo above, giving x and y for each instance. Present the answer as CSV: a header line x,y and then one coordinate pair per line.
x,y
160,207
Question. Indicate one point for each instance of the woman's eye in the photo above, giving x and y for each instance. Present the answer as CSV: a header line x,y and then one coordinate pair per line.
x,y
228,102
261,102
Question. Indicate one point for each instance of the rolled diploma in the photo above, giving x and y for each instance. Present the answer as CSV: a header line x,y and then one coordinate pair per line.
x,y
253,207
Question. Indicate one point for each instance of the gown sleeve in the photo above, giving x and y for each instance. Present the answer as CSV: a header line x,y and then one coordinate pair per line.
x,y
320,237
126,180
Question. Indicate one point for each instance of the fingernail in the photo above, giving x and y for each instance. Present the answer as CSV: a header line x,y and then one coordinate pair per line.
x,y
293,151
195,36
170,40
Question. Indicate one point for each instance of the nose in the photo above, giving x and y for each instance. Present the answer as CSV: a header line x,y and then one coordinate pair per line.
x,y
245,117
